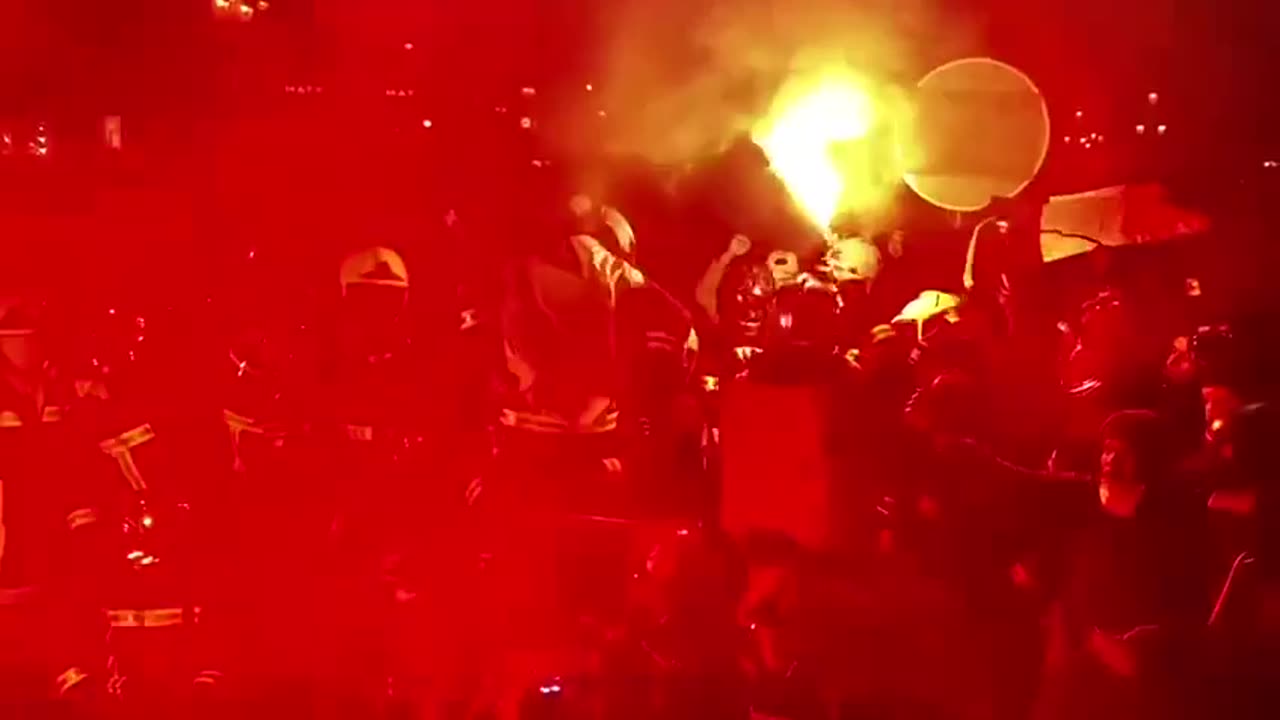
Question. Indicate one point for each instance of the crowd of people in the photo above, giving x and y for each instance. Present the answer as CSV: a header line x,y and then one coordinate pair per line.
x,y
1025,515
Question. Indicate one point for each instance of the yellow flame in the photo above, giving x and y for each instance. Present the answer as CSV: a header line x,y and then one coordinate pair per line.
x,y
808,120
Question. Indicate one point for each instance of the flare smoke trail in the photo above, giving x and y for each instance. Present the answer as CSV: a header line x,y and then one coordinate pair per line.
x,y
686,78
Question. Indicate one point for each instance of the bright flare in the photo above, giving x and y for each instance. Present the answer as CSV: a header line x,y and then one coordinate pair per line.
x,y
801,134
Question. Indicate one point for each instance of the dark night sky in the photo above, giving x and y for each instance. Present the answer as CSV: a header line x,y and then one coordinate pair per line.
x,y
1210,60
170,69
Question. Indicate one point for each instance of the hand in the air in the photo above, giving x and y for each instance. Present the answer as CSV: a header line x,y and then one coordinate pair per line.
x,y
740,245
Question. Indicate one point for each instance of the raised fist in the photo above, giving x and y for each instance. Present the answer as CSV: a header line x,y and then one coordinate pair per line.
x,y
740,245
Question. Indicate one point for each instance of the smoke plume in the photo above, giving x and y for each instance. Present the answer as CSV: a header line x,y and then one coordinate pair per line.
x,y
685,78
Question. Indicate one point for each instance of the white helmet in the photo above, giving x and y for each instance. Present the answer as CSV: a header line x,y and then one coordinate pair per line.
x,y
374,266
582,206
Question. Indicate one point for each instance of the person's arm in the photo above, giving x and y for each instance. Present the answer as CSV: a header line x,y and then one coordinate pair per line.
x,y
970,256
1121,654
1236,584
607,267
1011,472
708,289
709,284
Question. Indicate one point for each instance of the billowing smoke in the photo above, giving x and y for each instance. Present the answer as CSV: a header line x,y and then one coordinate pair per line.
x,y
685,78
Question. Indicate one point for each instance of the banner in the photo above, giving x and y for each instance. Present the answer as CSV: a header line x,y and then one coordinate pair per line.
x,y
1113,216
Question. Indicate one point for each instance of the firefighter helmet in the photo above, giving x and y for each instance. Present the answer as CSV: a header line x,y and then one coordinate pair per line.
x,y
374,266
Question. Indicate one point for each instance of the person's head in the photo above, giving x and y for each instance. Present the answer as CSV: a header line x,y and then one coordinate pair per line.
x,y
375,291
19,340
1255,429
1104,320
927,312
803,316
689,572
1221,403
950,403
751,293
1225,367
1134,458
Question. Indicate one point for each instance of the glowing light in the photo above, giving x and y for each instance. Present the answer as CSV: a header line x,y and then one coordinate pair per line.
x,y
526,122
426,123
263,4
1141,129
852,258
408,46
811,120
1153,98
528,91
1079,114
590,87
1269,163
1160,129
